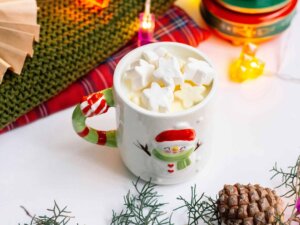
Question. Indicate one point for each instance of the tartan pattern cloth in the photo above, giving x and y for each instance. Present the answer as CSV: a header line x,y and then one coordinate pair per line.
x,y
175,25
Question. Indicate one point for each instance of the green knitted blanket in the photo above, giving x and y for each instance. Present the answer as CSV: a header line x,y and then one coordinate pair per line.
x,y
75,37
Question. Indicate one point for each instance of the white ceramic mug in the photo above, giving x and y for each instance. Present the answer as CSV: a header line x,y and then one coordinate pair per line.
x,y
141,133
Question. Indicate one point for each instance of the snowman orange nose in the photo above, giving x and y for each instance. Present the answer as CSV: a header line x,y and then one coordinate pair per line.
x,y
175,149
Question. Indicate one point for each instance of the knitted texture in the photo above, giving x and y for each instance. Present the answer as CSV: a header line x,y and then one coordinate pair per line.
x,y
75,37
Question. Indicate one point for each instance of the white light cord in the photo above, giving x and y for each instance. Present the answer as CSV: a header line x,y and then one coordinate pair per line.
x,y
147,7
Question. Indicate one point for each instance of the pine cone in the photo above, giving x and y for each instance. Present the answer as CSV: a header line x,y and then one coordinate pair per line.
x,y
248,205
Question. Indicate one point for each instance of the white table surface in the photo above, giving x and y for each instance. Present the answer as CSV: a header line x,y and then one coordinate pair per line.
x,y
255,124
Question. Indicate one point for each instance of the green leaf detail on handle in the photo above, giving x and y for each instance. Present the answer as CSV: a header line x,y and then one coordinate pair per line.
x,y
107,138
108,94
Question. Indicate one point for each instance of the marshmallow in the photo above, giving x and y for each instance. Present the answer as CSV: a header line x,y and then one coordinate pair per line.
x,y
168,72
140,76
182,64
176,106
136,100
198,71
139,62
157,99
189,95
151,57
161,52
161,82
135,97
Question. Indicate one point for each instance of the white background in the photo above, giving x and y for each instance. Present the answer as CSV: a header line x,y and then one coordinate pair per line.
x,y
255,124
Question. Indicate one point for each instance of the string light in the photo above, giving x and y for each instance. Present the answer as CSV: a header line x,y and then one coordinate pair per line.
x,y
100,3
147,25
247,66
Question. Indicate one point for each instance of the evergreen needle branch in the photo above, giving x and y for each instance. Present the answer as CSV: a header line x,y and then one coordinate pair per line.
x,y
200,208
58,216
290,180
142,207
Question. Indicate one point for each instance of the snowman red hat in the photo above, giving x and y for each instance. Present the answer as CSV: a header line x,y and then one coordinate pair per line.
x,y
169,139
176,135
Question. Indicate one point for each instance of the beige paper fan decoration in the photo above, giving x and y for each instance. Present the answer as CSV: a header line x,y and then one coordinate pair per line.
x,y
18,31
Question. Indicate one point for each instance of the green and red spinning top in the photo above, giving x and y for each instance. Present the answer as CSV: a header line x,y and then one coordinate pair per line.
x,y
241,21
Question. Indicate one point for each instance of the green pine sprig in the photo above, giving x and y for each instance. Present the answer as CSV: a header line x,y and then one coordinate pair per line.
x,y
142,207
58,216
200,208
290,181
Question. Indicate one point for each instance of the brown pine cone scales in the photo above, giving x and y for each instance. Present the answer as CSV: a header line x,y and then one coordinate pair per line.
x,y
248,205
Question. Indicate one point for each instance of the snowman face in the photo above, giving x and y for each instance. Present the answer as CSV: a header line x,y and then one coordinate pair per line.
x,y
174,147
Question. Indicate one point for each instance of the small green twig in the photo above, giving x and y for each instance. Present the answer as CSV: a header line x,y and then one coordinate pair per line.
x,y
58,216
290,180
142,207
202,208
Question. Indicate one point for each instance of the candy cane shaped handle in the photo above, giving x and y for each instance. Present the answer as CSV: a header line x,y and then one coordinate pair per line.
x,y
94,104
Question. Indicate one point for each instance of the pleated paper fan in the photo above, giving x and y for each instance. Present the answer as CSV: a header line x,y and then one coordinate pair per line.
x,y
18,31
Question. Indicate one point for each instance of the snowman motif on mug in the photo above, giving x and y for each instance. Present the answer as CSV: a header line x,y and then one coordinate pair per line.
x,y
172,151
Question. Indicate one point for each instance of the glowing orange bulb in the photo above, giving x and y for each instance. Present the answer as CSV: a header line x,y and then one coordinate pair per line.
x,y
100,3
147,25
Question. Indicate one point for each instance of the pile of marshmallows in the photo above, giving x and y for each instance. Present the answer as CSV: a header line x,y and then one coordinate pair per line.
x,y
161,82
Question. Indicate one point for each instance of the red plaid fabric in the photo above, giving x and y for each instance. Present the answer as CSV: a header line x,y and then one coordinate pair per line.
x,y
175,25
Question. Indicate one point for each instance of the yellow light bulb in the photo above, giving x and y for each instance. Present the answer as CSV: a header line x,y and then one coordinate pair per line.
x,y
247,66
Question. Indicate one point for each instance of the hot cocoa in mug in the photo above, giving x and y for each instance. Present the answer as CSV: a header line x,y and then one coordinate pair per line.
x,y
162,94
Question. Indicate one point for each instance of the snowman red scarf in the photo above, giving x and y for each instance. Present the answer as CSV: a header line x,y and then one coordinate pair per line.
x,y
175,146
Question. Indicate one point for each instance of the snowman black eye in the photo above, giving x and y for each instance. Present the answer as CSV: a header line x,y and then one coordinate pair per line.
x,y
182,148
167,148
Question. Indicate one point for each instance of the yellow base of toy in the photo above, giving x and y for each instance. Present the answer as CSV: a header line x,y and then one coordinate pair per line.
x,y
241,70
